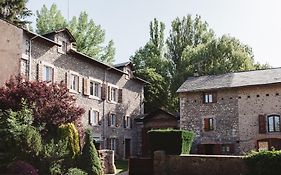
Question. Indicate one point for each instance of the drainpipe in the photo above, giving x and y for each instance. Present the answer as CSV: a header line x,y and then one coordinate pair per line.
x,y
30,57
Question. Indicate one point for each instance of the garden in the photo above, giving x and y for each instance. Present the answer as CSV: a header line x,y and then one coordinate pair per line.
x,y
41,131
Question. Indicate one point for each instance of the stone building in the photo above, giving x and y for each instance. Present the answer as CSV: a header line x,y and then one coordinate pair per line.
x,y
233,113
111,96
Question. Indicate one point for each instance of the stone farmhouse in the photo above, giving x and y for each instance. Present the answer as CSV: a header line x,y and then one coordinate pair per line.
x,y
233,113
111,95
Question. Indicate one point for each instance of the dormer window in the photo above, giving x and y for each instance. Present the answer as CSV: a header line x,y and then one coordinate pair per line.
x,y
63,46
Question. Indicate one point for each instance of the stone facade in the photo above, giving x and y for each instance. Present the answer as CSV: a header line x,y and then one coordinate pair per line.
x,y
110,98
238,114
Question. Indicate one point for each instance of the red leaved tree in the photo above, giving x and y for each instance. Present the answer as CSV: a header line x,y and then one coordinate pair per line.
x,y
51,104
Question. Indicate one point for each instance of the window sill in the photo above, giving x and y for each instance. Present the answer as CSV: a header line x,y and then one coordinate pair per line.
x,y
73,91
94,97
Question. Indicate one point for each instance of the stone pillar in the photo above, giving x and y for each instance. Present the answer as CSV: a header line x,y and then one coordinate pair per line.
x,y
159,163
107,161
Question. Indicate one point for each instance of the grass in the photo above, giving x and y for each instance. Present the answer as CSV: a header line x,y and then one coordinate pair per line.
x,y
121,166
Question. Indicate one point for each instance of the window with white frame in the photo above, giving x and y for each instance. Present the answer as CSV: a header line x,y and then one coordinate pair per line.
x,y
48,73
114,94
112,120
112,144
24,67
273,123
74,82
94,117
95,89
127,122
208,98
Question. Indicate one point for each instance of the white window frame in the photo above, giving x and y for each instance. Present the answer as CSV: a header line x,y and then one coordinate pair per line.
x,y
112,118
112,143
111,99
128,122
92,91
208,98
94,117
44,66
71,76
24,70
50,76
275,127
62,45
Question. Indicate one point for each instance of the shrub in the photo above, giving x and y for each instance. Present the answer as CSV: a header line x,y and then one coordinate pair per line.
x,y
75,171
264,162
21,167
173,142
89,160
69,132
50,103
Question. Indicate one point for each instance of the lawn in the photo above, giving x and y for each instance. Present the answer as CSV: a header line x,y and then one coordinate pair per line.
x,y
121,166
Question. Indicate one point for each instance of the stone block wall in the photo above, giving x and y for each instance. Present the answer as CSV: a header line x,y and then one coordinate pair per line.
x,y
107,161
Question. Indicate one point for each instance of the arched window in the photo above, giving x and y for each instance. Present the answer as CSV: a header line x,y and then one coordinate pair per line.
x,y
273,122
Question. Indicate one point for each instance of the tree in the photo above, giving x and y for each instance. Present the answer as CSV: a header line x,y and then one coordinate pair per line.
x,y
15,11
49,20
89,160
90,37
150,64
51,104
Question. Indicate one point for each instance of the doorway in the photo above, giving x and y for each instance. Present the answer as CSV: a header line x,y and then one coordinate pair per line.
x,y
127,148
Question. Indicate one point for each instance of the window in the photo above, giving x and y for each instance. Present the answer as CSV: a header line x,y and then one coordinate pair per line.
x,y
112,94
112,120
27,47
128,75
95,89
24,67
48,74
74,82
273,123
226,149
94,117
112,145
208,124
127,122
63,47
209,98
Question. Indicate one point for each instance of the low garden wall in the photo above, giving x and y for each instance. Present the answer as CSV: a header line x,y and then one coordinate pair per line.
x,y
198,164
140,166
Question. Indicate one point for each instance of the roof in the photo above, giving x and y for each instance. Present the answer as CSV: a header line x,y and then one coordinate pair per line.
x,y
66,30
35,35
150,115
232,80
123,64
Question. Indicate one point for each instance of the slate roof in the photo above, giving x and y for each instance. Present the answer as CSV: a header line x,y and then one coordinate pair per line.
x,y
232,80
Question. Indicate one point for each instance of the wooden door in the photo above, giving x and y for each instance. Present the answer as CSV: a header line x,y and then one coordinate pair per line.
x,y
127,148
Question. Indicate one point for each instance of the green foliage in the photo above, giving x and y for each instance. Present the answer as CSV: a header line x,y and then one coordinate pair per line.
x,y
70,133
90,37
75,171
21,139
49,20
264,162
89,160
173,142
15,11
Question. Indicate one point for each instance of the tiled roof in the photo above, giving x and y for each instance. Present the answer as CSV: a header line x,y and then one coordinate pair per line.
x,y
232,80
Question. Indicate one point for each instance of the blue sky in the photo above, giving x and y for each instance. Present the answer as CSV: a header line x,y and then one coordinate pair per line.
x,y
254,22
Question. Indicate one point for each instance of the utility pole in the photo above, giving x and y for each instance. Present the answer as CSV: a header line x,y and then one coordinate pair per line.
x,y
68,10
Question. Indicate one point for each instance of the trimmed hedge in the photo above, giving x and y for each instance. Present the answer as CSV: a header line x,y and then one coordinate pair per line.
x,y
264,162
173,142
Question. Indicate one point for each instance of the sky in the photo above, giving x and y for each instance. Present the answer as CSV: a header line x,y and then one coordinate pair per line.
x,y
256,23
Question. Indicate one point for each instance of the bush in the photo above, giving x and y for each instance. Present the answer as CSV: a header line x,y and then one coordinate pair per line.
x,y
22,168
264,162
75,171
173,142
89,160
69,132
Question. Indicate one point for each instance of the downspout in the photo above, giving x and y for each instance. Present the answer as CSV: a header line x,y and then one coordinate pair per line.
x,y
30,57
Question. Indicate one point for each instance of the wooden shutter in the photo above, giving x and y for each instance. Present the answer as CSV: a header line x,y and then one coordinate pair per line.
x,y
108,93
99,119
120,98
103,91
203,98
108,120
262,124
90,117
217,149
86,84
124,121
67,80
214,94
206,124
40,71
232,148
80,85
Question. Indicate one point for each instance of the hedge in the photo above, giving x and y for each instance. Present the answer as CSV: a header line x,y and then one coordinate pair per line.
x,y
173,142
264,162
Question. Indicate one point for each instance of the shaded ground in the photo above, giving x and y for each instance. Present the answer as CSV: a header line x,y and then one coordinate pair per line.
x,y
121,166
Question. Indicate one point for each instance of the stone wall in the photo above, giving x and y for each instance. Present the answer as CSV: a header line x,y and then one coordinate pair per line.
x,y
107,161
198,164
